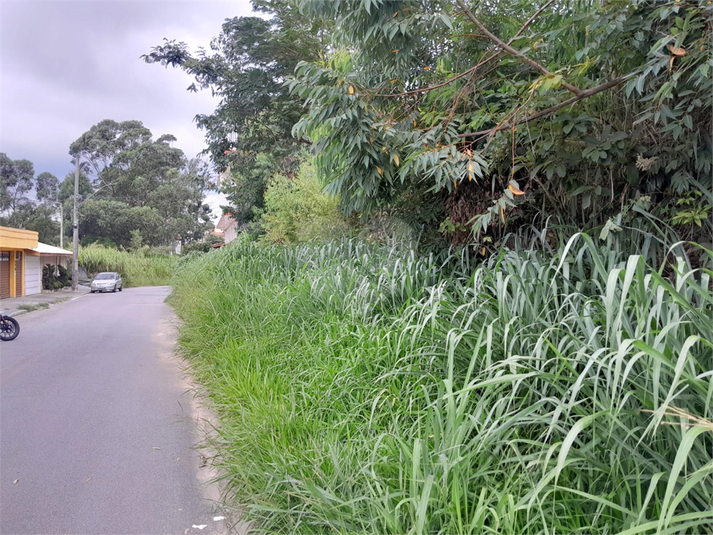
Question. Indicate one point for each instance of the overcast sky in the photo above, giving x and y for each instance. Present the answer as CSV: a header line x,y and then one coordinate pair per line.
x,y
66,65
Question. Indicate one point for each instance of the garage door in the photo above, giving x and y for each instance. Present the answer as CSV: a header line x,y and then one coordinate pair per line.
x,y
33,275
4,274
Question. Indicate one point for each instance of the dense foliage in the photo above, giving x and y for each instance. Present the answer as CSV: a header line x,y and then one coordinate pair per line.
x,y
297,210
133,183
55,277
583,107
249,133
459,116
367,390
27,201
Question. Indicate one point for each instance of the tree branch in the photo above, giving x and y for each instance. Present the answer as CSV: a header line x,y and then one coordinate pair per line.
x,y
582,95
437,86
474,68
531,20
509,49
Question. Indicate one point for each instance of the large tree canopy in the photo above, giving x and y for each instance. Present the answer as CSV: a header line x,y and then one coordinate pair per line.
x,y
124,161
584,107
128,182
138,183
467,116
16,181
246,67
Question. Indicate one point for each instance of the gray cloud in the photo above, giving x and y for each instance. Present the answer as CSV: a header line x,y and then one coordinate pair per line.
x,y
66,65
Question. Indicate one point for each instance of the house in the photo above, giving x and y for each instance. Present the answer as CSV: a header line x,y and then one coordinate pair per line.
x,y
54,256
228,227
21,259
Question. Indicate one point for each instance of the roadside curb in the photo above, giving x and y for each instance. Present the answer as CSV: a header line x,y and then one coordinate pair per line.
x,y
18,306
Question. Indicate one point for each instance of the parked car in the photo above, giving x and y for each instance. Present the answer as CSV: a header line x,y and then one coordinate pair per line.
x,y
107,281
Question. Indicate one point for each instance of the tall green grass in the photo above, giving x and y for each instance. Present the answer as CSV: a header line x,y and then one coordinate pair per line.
x,y
363,389
135,268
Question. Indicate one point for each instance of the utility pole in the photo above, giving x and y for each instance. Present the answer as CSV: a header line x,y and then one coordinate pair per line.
x,y
75,227
61,226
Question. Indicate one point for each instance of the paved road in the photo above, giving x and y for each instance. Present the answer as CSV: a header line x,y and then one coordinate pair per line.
x,y
97,431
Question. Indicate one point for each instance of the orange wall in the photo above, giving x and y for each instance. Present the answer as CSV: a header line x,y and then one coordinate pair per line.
x,y
17,239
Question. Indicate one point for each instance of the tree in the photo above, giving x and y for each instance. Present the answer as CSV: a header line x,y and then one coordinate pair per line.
x,y
123,160
16,180
19,209
66,188
581,107
139,184
112,222
100,145
47,187
42,219
248,64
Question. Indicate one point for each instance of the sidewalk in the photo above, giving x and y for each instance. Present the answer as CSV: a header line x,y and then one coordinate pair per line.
x,y
16,306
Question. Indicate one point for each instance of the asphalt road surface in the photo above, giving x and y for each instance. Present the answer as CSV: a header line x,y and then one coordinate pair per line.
x,y
97,429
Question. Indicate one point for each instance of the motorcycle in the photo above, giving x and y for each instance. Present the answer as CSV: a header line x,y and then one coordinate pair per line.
x,y
9,328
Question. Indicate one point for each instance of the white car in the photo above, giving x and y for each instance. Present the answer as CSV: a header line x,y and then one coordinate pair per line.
x,y
108,281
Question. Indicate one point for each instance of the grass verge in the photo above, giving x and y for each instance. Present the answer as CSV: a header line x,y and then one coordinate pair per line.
x,y
38,306
370,390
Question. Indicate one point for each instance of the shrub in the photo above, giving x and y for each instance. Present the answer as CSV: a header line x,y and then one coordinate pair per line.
x,y
50,281
136,241
297,210
196,247
98,241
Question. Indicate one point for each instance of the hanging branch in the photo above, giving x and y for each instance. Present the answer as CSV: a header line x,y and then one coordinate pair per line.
x,y
584,94
531,20
509,49
579,94
475,67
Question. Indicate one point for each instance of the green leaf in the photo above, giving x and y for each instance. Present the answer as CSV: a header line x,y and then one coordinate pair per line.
x,y
577,428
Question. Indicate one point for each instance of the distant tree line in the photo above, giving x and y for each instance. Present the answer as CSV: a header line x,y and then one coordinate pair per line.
x,y
137,190
133,190
28,201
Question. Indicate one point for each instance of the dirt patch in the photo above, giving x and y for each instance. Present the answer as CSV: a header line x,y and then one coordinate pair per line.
x,y
205,424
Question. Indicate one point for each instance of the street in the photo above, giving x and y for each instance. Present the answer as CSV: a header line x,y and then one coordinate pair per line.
x,y
97,431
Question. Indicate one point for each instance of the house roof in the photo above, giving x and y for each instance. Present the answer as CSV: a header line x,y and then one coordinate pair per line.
x,y
226,221
43,248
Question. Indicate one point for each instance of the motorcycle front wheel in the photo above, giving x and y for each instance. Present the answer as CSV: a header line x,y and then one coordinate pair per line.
x,y
9,329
